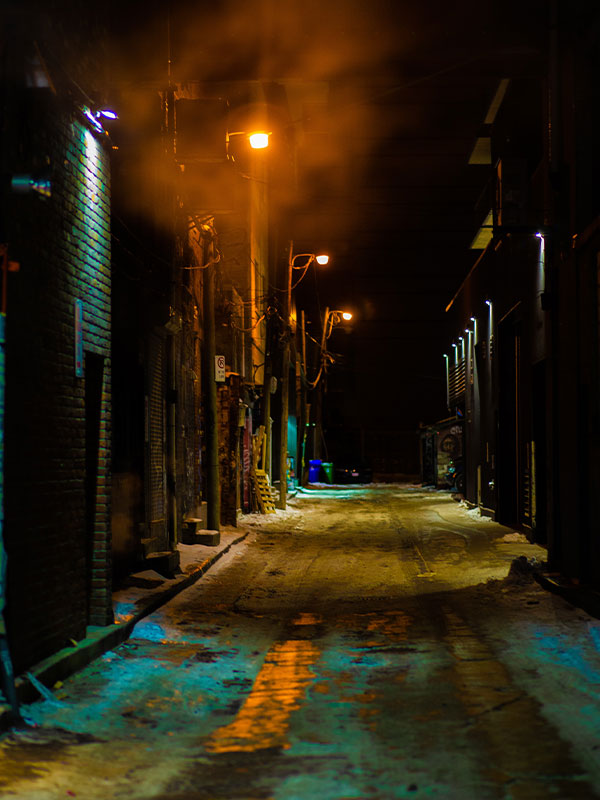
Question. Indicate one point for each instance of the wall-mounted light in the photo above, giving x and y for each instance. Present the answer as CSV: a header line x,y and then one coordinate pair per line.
x,y
92,118
97,117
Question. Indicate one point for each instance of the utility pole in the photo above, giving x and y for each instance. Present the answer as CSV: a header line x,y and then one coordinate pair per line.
x,y
285,384
213,498
268,379
319,397
301,437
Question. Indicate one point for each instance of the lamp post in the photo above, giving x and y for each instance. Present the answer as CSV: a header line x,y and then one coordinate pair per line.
x,y
285,368
331,318
213,494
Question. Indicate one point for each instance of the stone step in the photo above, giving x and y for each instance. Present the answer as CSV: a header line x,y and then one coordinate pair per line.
x,y
165,562
193,532
151,544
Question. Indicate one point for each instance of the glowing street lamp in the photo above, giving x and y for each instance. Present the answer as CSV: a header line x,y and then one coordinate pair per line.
x,y
332,318
285,376
258,140
321,259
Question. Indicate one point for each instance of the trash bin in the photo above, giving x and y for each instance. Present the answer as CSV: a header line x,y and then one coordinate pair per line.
x,y
327,468
314,468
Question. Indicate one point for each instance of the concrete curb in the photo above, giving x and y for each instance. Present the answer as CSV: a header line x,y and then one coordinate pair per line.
x,y
579,596
102,639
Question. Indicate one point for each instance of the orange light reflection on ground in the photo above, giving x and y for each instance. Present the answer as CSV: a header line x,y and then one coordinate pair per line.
x,y
306,618
263,719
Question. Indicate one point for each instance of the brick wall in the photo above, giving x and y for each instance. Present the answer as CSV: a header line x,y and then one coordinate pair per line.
x,y
58,422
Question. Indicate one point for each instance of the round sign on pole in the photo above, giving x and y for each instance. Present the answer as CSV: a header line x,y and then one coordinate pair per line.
x,y
220,368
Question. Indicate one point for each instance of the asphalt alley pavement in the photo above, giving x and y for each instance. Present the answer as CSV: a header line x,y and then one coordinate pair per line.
x,y
366,643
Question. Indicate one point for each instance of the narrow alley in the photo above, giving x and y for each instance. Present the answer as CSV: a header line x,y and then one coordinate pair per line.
x,y
365,643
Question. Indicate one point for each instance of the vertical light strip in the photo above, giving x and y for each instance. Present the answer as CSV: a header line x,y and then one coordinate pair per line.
x,y
447,367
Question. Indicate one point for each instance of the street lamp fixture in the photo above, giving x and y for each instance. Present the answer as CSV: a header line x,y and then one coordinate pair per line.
x,y
258,140
331,318
321,259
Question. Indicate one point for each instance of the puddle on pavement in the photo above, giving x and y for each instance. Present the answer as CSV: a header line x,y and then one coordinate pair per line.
x,y
306,618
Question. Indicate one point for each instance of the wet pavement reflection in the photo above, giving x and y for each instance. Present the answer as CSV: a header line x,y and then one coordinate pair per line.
x,y
367,645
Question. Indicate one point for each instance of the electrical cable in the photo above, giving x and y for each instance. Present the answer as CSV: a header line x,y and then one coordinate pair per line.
x,y
248,330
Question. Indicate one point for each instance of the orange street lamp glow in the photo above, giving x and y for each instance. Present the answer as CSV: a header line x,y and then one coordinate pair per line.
x,y
346,315
258,141
323,259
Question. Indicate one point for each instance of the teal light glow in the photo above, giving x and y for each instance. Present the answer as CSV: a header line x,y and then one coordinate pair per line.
x,y
91,228
541,265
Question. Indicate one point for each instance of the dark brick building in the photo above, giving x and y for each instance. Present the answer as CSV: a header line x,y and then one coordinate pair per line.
x,y
55,220
523,367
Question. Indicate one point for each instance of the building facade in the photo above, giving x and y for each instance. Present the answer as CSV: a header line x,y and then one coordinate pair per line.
x,y
523,367
56,226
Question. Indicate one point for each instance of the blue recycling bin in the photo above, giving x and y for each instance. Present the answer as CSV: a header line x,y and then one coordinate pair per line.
x,y
314,470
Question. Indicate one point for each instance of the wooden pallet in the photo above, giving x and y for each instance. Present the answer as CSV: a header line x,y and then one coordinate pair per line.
x,y
262,491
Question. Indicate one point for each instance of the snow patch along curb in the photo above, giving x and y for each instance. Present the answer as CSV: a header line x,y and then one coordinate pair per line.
x,y
100,640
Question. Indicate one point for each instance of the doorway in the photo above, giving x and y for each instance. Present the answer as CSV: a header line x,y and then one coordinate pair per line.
x,y
508,468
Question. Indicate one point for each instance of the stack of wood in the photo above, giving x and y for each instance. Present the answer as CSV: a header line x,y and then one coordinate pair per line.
x,y
263,496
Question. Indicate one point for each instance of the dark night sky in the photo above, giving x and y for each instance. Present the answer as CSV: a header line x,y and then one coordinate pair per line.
x,y
391,194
